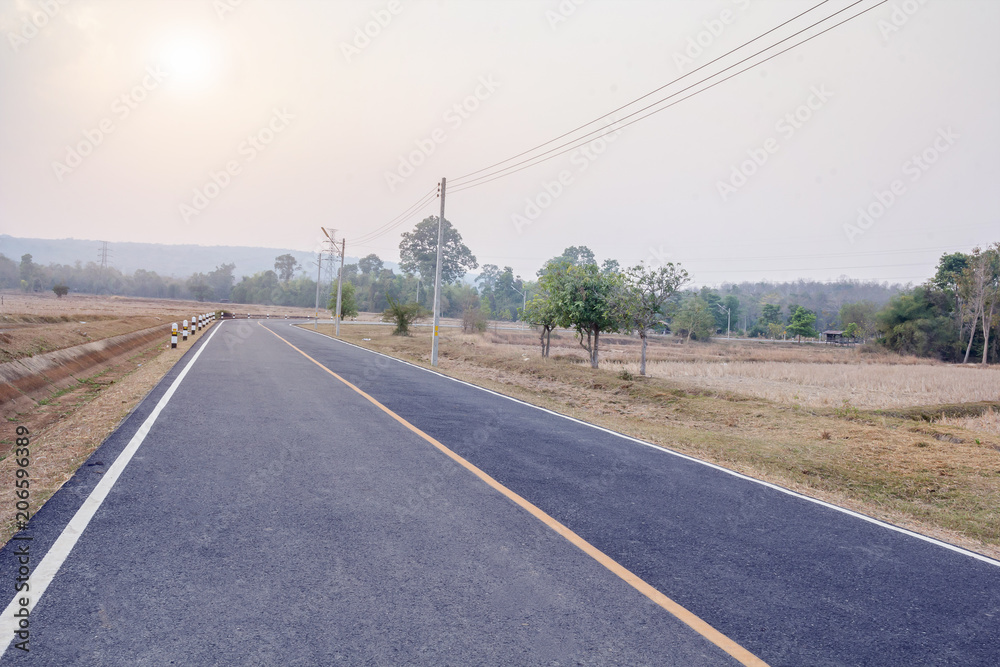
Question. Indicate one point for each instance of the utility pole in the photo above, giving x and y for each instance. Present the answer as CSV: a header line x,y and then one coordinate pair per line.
x,y
437,281
330,234
319,273
340,280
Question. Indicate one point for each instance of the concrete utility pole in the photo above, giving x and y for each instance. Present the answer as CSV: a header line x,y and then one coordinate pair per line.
x,y
330,234
340,281
437,281
319,273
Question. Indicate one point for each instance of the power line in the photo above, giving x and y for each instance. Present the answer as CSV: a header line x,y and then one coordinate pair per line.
x,y
576,143
398,220
652,92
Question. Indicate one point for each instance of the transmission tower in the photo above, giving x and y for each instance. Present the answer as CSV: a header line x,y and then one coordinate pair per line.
x,y
104,254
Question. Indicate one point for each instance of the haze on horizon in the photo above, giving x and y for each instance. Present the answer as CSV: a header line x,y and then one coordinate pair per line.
x,y
117,116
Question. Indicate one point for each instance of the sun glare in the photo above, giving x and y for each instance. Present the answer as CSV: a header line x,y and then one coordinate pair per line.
x,y
189,62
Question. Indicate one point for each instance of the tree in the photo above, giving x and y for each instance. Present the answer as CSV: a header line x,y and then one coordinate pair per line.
x,y
573,255
418,252
775,330
60,290
584,299
644,295
221,281
610,266
861,315
348,302
285,266
979,287
473,318
542,312
487,279
713,299
403,315
694,319
801,324
197,284
27,269
917,323
370,265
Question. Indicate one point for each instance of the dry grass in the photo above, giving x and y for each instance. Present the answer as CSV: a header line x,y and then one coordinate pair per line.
x,y
941,479
33,323
988,422
863,385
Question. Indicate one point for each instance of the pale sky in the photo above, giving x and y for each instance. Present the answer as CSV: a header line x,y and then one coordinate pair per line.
x,y
113,114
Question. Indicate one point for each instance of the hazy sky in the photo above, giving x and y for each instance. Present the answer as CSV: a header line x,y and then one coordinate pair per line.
x,y
255,122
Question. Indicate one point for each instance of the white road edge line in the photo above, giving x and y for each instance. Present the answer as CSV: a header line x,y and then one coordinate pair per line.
x,y
46,571
796,494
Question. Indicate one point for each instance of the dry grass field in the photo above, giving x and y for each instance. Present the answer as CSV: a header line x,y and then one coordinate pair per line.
x,y
775,411
34,323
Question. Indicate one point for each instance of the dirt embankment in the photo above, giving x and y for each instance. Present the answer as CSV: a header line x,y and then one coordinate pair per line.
x,y
25,381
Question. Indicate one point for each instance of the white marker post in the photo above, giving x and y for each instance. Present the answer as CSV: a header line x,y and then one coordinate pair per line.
x,y
173,335
185,334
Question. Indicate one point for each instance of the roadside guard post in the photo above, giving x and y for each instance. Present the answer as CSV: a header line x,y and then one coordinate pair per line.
x,y
184,334
173,335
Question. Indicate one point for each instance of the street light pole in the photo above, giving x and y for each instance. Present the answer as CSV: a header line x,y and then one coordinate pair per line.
x,y
524,303
729,317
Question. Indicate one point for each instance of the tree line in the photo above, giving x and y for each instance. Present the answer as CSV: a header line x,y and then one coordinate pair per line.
x,y
953,316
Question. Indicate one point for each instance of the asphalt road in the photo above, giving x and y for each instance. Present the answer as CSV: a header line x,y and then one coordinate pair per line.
x,y
274,515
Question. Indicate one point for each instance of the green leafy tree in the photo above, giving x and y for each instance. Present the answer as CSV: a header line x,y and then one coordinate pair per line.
x,y
60,290
418,252
348,302
541,311
643,299
919,323
198,285
694,319
584,300
861,315
403,315
221,281
285,266
573,255
770,314
802,324
370,265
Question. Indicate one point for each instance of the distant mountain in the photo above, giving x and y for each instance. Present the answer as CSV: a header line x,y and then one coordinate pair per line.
x,y
167,260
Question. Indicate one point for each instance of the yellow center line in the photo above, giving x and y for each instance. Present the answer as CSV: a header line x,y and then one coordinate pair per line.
x,y
742,655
